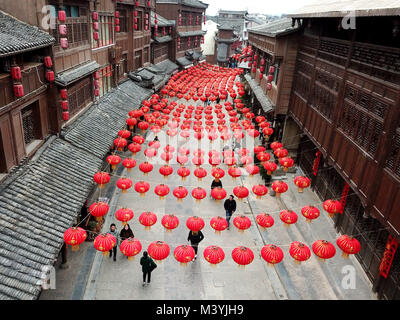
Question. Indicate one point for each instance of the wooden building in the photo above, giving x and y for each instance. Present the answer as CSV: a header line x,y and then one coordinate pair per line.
x,y
162,35
345,103
274,44
24,110
189,17
226,41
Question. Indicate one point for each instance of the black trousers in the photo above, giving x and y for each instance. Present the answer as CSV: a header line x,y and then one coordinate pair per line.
x,y
114,250
148,274
195,246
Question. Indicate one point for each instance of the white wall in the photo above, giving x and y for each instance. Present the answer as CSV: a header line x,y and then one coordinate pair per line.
x,y
209,43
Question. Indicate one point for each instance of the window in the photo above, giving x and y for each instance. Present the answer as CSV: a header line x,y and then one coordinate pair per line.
x,y
146,55
28,124
80,95
106,32
105,80
276,72
123,21
138,59
139,21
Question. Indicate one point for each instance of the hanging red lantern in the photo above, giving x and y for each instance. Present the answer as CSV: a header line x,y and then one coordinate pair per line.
x,y
113,160
279,187
242,223
218,193
267,131
272,254
200,173
124,184
252,169
16,73
134,148
148,219
332,207
286,163
288,217
182,159
281,152
170,222
48,63
349,245
124,215
299,252
146,167
161,190
234,172
143,125
142,187
167,156
242,256
130,248
260,190
150,152
184,254
104,243
98,210
180,193
214,255
158,250
270,167
74,236
263,157
166,170
199,194
217,173
101,178
258,149
138,139
129,163
120,143
50,76
183,172
323,249
195,223
241,192
218,224
265,221
310,213
302,182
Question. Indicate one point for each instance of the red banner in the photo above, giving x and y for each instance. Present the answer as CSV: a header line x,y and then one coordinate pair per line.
x,y
316,162
388,256
345,193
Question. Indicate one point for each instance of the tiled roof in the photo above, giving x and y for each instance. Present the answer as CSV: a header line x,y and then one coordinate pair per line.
x,y
189,3
72,75
275,28
265,102
341,8
235,24
17,36
154,76
37,204
184,61
165,67
163,39
191,33
105,119
161,21
232,12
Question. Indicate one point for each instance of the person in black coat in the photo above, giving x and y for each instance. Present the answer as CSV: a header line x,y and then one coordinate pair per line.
x,y
195,237
126,233
148,265
230,208
216,183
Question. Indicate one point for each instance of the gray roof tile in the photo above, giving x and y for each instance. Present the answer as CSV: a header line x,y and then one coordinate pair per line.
x,y
265,102
67,77
278,27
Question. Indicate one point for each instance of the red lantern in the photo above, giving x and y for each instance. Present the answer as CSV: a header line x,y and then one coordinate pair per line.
x,y
252,169
260,190
120,143
218,224
279,187
64,94
241,192
134,148
146,167
183,172
50,76
200,173
65,116
323,249
214,255
170,222
234,172
184,254
143,125
129,163
199,194
276,145
288,217
16,73
104,243
167,156
101,178
242,223
242,256
150,152
259,149
310,213
48,62
281,152
64,41
138,139
286,163
195,223
348,245
302,182
299,252
130,248
113,160
272,254
166,171
265,220
148,219
267,131
158,250
142,187
75,236
218,193
263,156
217,173
270,167
124,215
332,207
62,15
180,193
124,184
161,190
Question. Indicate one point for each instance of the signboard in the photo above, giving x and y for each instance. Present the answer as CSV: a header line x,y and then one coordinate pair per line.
x,y
388,255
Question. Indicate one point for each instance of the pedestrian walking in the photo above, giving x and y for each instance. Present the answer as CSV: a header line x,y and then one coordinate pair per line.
x,y
216,183
126,233
195,237
230,208
113,231
148,265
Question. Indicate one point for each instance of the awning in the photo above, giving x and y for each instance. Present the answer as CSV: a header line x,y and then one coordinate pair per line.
x,y
163,39
70,76
184,62
191,33
263,99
